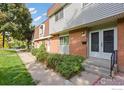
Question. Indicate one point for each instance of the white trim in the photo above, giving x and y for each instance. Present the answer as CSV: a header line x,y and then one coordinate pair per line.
x,y
48,45
83,6
63,35
43,30
43,38
94,54
115,39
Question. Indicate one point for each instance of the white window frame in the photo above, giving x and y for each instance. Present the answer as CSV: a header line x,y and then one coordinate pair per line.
x,y
58,15
62,36
41,31
64,48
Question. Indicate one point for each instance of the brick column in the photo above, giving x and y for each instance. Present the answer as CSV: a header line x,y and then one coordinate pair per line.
x,y
120,28
54,44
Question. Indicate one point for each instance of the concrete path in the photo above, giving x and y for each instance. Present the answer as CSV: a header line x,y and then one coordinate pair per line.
x,y
44,76
39,73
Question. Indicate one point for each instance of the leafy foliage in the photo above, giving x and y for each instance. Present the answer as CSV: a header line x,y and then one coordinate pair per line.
x,y
42,54
34,51
17,44
66,65
16,18
53,60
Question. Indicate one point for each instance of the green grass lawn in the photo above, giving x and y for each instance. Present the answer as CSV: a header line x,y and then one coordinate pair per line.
x,y
12,70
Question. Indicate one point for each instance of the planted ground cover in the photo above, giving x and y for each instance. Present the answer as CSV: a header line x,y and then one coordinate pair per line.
x,y
12,70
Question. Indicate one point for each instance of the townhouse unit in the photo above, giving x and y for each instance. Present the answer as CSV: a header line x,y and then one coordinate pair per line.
x,y
41,35
92,30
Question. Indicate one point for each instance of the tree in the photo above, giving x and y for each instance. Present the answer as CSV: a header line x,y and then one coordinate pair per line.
x,y
16,19
28,35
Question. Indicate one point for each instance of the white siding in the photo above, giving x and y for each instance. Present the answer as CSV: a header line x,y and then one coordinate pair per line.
x,y
75,15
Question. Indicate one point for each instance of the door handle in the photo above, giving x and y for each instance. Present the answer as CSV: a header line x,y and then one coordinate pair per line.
x,y
101,44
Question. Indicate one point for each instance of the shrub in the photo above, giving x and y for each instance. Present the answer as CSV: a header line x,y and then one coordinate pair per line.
x,y
53,60
41,53
34,51
22,46
69,69
66,65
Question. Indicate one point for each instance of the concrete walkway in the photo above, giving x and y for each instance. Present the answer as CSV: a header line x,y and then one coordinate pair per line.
x,y
44,76
39,73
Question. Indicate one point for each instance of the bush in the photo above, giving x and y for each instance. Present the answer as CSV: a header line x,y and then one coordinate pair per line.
x,y
34,51
22,46
69,69
53,60
66,65
41,53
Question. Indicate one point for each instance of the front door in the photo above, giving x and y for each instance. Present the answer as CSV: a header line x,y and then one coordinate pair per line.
x,y
102,43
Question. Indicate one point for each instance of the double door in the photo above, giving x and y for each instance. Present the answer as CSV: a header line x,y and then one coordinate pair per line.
x,y
102,43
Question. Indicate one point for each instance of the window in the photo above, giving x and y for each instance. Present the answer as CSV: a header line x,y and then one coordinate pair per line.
x,y
84,5
59,15
95,42
64,40
41,30
108,40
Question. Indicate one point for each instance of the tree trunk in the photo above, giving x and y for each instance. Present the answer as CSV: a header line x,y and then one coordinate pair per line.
x,y
28,44
3,38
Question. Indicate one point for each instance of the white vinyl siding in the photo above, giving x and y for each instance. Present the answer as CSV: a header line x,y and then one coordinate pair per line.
x,y
74,15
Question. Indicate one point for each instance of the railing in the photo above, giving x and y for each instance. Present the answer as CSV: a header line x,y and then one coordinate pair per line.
x,y
113,66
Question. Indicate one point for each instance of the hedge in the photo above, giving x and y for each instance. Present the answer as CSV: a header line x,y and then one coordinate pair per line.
x,y
66,65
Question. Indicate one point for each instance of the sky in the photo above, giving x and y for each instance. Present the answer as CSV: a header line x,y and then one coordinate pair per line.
x,y
38,12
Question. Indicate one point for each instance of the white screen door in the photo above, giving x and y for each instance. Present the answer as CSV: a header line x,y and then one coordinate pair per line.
x,y
102,43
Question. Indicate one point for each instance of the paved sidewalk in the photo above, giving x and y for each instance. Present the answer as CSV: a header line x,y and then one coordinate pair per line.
x,y
39,73
44,76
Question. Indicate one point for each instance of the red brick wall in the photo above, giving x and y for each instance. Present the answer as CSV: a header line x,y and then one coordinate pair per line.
x,y
120,28
46,33
36,33
54,44
53,8
75,43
